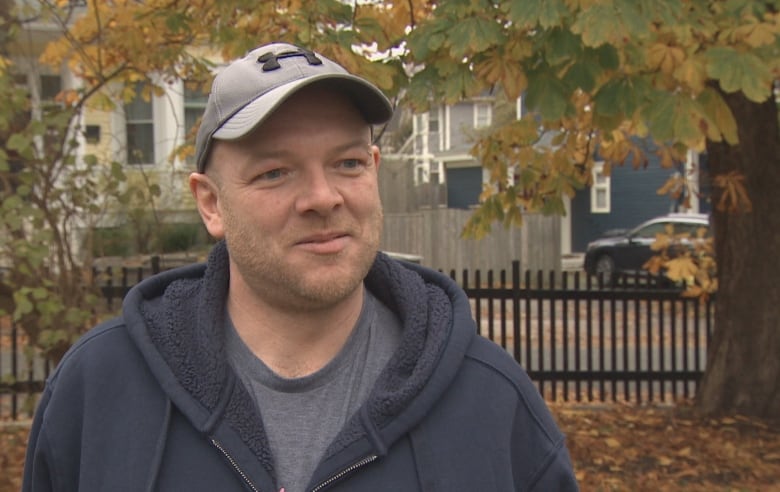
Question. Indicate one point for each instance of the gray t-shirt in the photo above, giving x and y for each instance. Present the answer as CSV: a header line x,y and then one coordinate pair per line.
x,y
302,416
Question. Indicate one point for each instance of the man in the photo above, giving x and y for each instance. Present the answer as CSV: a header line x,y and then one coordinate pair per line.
x,y
298,358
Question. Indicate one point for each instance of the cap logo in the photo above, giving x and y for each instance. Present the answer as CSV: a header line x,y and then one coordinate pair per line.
x,y
270,60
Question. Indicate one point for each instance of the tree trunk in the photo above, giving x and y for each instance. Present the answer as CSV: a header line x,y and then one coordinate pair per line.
x,y
743,364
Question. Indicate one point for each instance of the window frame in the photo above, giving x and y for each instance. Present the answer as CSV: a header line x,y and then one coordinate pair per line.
x,y
480,108
601,184
140,122
194,103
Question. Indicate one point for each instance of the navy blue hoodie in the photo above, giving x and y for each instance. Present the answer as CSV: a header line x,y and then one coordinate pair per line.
x,y
148,401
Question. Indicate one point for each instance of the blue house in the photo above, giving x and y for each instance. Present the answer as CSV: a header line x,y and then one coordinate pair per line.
x,y
442,140
629,196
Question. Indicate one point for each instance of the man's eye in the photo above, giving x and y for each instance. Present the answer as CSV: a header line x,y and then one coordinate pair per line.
x,y
351,163
271,175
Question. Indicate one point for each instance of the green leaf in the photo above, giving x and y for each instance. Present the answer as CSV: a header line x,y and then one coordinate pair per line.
x,y
659,115
23,306
474,35
436,41
547,95
458,84
118,172
597,25
12,202
18,143
530,13
717,110
613,98
676,118
561,46
613,23
606,56
581,75
421,44
632,19
740,71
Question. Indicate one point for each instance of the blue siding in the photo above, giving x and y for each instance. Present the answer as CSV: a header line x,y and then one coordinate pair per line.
x,y
464,186
633,200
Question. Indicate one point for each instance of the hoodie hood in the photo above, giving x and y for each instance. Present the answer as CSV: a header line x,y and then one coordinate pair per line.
x,y
177,321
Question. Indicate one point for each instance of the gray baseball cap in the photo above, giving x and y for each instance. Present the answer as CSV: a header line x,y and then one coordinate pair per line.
x,y
248,90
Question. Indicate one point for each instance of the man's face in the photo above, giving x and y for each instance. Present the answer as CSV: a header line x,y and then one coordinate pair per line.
x,y
297,203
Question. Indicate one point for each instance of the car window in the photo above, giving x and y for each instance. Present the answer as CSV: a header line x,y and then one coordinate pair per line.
x,y
650,230
691,229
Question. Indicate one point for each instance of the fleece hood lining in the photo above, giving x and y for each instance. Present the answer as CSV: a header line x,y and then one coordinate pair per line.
x,y
186,326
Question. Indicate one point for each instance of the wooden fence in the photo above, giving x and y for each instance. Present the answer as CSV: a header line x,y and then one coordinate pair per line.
x,y
434,235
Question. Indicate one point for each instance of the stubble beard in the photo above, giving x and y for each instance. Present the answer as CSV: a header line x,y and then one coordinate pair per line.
x,y
289,287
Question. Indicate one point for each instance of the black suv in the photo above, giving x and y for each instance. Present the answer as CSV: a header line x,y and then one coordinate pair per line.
x,y
626,250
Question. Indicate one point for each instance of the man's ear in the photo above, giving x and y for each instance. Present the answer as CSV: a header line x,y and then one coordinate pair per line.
x,y
206,194
376,155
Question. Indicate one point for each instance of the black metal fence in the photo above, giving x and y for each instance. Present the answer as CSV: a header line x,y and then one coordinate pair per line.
x,y
577,338
580,339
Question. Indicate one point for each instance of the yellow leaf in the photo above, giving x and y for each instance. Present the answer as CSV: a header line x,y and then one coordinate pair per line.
x,y
719,113
680,268
693,291
756,34
686,451
654,264
612,442
664,461
665,57
734,197
693,73
662,242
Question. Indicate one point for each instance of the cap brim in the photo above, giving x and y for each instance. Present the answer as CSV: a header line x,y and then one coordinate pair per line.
x,y
374,105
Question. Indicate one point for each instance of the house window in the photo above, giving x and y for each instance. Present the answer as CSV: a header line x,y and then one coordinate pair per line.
x,y
92,134
194,106
433,121
139,123
483,115
600,190
51,85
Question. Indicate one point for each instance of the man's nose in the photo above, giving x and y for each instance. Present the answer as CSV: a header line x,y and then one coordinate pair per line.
x,y
319,193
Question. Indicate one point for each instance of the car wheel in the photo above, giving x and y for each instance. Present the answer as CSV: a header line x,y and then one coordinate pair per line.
x,y
605,269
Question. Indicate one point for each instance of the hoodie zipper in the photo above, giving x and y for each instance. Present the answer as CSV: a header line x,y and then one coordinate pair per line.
x,y
368,459
234,464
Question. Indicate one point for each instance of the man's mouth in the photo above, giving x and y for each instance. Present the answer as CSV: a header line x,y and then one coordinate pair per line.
x,y
322,238
325,243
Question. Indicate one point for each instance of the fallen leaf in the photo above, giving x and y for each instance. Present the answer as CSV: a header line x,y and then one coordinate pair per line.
x,y
664,461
